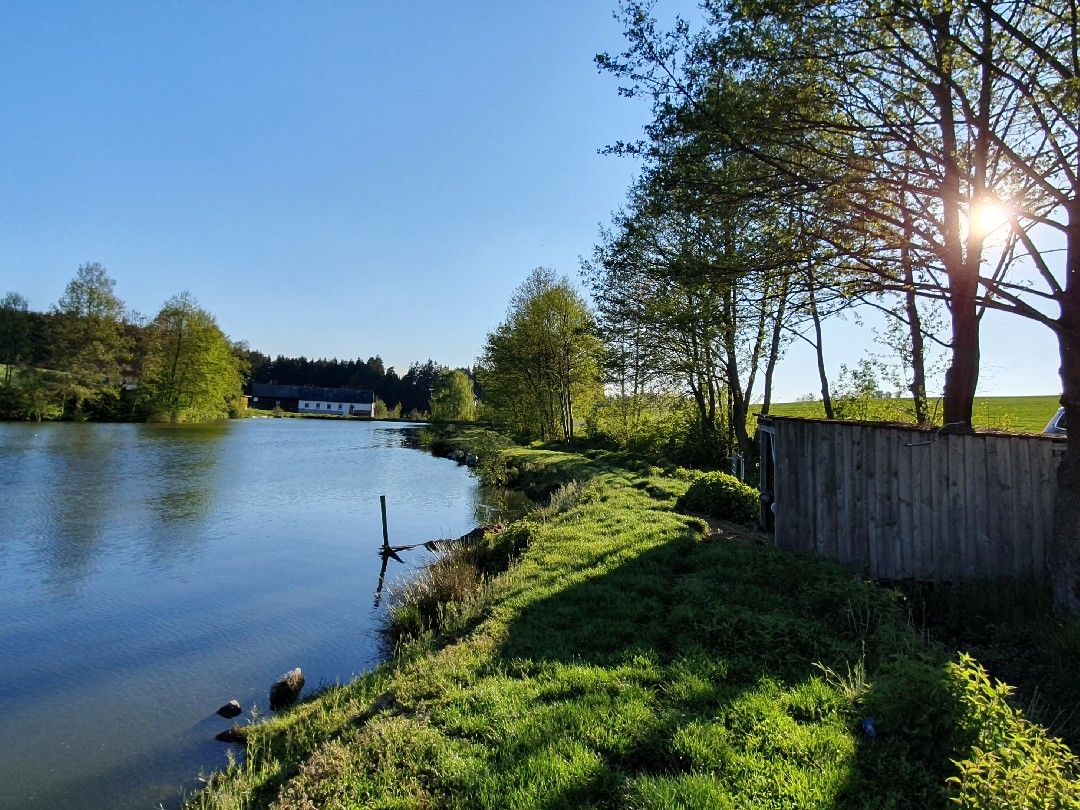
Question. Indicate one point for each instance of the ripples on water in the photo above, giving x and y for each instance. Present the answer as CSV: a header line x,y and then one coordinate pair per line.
x,y
150,573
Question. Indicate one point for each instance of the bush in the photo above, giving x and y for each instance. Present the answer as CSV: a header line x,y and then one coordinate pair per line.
x,y
1013,763
722,496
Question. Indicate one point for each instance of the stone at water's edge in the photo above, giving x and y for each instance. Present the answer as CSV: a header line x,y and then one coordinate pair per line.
x,y
286,689
230,709
232,735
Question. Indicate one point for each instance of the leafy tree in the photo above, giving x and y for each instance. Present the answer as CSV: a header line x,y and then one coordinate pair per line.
x,y
191,372
543,361
90,341
453,399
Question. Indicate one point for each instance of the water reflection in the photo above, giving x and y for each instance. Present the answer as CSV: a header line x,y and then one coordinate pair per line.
x,y
182,464
382,579
80,482
95,481
496,505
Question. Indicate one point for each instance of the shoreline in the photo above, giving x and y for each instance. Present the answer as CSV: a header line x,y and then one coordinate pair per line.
x,y
638,656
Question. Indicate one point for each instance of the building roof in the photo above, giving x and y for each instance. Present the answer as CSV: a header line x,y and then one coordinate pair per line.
x,y
275,391
353,395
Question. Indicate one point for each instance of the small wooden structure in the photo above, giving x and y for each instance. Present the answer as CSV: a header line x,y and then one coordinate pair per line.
x,y
904,502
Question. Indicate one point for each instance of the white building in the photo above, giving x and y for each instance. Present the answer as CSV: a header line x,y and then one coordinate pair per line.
x,y
309,399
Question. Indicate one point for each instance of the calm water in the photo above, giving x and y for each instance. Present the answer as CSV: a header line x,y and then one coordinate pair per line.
x,y
149,574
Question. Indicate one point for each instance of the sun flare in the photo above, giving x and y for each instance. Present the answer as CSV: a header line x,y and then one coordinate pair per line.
x,y
989,215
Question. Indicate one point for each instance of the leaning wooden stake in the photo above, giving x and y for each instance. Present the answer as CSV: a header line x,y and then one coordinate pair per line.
x,y
386,550
385,533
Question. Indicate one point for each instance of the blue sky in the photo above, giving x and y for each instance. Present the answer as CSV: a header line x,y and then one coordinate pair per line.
x,y
333,179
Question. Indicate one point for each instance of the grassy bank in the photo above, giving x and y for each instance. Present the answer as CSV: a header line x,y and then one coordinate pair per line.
x,y
639,657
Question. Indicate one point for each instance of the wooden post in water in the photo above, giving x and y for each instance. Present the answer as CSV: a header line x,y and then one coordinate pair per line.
x,y
385,533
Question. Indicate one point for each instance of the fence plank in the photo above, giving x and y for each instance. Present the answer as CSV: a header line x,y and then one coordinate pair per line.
x,y
896,447
1042,511
782,467
979,490
925,487
860,536
829,519
956,528
939,451
872,501
906,534
809,484
1031,517
997,509
884,500
845,525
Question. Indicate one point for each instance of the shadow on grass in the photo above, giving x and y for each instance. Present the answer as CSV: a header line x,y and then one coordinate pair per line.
x,y
712,672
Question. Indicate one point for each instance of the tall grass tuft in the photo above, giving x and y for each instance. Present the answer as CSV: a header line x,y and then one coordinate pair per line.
x,y
452,593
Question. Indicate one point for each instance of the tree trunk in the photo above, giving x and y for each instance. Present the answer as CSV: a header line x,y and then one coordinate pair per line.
x,y
962,376
826,396
914,320
774,345
918,349
1063,556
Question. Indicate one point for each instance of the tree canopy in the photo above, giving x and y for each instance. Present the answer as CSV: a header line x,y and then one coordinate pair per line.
x,y
191,372
541,365
453,398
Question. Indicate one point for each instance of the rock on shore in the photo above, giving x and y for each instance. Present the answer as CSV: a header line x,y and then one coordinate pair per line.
x,y
286,689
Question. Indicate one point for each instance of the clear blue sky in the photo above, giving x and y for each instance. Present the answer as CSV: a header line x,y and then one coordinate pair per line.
x,y
332,179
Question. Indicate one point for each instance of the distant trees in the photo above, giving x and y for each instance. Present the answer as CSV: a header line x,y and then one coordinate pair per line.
x,y
88,357
410,392
453,399
191,372
14,334
541,365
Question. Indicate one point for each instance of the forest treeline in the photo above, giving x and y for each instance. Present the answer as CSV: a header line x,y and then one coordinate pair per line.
x,y
403,395
89,357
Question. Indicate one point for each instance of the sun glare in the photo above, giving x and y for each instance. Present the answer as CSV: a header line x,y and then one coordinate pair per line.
x,y
988,216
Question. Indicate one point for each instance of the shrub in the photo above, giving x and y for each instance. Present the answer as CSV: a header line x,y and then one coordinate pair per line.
x,y
722,496
1013,763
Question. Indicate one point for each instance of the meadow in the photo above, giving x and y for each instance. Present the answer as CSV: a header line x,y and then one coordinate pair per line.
x,y
1019,414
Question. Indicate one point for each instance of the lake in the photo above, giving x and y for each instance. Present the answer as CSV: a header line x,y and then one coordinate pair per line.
x,y
148,574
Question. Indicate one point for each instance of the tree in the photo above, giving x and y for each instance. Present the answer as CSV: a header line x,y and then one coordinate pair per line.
x,y
91,344
543,361
191,372
14,334
453,399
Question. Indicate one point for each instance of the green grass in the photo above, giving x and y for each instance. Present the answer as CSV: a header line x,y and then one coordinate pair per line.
x,y
635,657
1021,414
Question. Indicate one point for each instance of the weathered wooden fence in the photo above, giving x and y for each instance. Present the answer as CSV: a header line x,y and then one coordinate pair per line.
x,y
904,502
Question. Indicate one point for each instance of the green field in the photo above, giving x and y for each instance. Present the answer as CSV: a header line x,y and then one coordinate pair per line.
x,y
1021,414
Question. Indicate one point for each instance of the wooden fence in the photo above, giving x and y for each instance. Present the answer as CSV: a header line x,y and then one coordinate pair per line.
x,y
903,502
